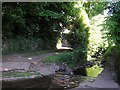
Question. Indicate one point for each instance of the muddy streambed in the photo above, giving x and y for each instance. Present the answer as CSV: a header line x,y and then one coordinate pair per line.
x,y
71,81
61,80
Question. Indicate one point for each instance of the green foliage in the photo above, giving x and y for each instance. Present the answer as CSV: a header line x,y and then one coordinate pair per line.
x,y
114,52
95,8
69,59
39,20
33,19
108,52
51,59
112,24
64,57
72,59
78,37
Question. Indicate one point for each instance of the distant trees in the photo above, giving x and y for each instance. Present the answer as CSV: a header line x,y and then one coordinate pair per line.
x,y
31,19
42,20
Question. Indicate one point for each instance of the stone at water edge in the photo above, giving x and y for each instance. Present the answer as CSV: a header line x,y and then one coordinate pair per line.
x,y
65,68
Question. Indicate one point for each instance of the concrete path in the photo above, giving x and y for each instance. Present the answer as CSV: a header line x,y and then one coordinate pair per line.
x,y
103,81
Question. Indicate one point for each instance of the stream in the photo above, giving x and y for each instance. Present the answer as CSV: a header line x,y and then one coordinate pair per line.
x,y
21,78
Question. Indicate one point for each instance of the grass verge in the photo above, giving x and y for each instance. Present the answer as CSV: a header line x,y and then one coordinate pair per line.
x,y
18,74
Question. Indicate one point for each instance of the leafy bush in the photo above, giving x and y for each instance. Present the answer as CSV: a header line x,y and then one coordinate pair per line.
x,y
112,24
67,58
78,38
74,58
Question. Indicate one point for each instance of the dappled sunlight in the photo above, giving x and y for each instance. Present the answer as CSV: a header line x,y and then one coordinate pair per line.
x,y
66,31
6,69
59,44
62,42
96,35
84,16
79,4
30,58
